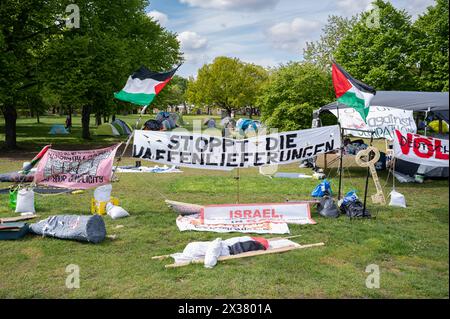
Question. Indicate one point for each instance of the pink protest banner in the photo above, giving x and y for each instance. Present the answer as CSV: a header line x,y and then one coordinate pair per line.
x,y
76,169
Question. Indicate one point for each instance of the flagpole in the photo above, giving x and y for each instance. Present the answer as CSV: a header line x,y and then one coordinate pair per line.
x,y
129,140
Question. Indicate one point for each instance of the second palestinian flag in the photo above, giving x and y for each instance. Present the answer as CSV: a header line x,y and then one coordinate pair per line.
x,y
143,85
352,92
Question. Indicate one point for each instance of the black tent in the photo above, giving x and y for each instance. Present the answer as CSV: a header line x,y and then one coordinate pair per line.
x,y
436,102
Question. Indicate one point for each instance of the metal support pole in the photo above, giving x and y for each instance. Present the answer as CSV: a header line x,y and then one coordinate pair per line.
x,y
340,161
367,177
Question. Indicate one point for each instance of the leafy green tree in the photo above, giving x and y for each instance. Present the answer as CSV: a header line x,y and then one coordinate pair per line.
x,y
379,54
227,83
431,33
24,27
321,52
291,94
94,61
173,94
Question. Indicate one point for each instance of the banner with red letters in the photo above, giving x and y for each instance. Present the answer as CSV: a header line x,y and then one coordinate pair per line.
x,y
290,212
419,149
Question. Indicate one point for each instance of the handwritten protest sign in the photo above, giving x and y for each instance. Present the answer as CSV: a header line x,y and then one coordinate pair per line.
x,y
76,169
421,149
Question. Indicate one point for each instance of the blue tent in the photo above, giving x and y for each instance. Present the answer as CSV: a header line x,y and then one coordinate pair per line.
x,y
58,129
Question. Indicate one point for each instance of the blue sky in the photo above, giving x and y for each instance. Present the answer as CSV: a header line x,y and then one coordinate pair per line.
x,y
265,32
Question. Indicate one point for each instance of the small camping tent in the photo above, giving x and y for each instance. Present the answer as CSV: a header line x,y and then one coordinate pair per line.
x,y
122,127
107,129
167,121
58,129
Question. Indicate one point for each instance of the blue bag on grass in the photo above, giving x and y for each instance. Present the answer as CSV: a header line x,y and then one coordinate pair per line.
x,y
324,188
349,197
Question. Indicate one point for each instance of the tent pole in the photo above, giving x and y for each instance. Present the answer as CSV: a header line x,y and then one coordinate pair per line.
x,y
367,176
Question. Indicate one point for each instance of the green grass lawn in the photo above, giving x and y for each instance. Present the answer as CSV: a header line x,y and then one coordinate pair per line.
x,y
409,245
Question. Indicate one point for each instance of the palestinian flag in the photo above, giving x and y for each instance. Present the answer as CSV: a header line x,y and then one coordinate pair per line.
x,y
143,85
352,92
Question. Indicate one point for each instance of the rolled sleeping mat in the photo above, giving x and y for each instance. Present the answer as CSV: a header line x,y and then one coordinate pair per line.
x,y
81,228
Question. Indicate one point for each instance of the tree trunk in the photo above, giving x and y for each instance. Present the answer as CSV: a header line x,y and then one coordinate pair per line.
x,y
37,117
85,118
10,115
113,118
98,119
70,113
105,119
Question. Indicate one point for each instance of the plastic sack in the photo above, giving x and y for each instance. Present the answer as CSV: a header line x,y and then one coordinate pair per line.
x,y
116,212
12,199
213,253
25,201
103,193
349,198
324,188
81,228
355,209
397,199
327,207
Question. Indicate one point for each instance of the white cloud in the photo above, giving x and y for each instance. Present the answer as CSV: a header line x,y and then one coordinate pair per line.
x,y
416,7
352,7
292,36
193,46
232,4
192,41
160,17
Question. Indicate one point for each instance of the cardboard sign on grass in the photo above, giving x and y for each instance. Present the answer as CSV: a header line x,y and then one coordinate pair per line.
x,y
291,213
195,222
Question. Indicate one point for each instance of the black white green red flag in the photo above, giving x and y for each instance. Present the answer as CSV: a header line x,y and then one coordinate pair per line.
x,y
352,92
143,85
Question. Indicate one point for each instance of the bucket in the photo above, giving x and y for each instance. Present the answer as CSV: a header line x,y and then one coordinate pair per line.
x,y
99,208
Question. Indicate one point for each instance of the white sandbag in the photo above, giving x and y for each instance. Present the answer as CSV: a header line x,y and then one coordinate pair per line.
x,y
397,199
25,201
213,252
116,211
103,193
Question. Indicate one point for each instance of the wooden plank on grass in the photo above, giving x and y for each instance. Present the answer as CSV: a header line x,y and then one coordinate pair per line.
x,y
17,219
248,254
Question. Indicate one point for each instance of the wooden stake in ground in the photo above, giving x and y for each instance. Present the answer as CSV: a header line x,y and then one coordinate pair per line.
x,y
243,255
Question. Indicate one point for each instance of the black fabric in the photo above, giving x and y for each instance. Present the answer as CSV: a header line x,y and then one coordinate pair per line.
x,y
381,164
327,207
357,83
355,209
242,247
144,73
152,125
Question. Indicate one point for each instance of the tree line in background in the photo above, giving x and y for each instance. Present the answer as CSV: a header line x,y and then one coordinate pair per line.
x,y
395,54
44,64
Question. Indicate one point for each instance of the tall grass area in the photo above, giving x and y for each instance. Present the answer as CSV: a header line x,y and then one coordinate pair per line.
x,y
410,245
